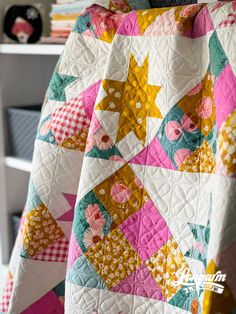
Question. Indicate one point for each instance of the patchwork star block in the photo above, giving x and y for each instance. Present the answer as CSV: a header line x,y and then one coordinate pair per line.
x,y
122,194
123,97
113,258
164,264
146,230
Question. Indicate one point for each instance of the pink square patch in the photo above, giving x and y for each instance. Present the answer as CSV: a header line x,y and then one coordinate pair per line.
x,y
146,230
140,283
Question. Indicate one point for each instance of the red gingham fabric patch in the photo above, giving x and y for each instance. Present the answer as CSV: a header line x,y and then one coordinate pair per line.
x,y
69,120
5,300
56,252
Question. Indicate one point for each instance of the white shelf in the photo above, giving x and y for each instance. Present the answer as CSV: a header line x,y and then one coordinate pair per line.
x,y
30,49
18,163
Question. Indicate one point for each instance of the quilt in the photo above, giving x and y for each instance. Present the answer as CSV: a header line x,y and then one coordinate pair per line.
x,y
132,197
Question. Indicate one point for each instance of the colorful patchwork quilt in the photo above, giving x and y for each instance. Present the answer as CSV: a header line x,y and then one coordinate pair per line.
x,y
131,206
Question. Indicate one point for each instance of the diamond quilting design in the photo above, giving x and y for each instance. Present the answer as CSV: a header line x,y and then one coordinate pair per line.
x,y
113,258
146,230
165,101
164,264
122,194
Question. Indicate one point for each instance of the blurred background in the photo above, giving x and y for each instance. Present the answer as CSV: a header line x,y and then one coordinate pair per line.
x,y
32,35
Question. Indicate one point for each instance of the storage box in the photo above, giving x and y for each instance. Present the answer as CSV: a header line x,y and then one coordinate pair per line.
x,y
22,124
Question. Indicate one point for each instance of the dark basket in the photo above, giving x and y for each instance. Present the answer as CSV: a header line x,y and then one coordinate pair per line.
x,y
22,125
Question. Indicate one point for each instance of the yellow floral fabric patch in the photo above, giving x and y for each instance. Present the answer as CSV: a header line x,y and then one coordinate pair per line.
x,y
226,144
113,258
164,264
202,160
40,230
77,141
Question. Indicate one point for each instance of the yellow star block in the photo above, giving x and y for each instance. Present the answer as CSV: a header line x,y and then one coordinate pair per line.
x,y
133,99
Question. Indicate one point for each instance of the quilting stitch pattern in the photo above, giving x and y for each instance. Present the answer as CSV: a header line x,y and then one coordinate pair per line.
x,y
149,98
